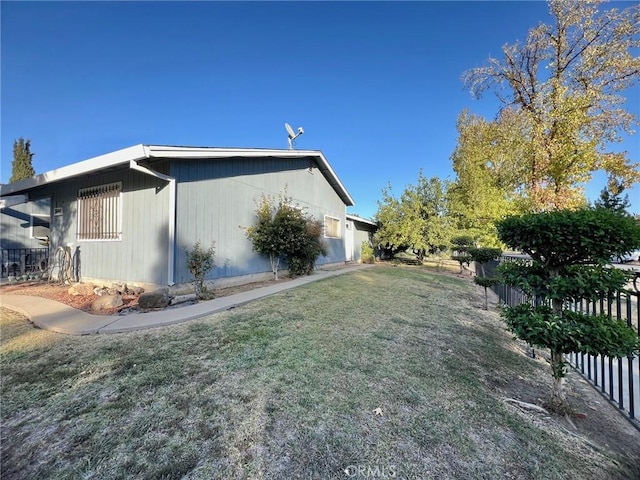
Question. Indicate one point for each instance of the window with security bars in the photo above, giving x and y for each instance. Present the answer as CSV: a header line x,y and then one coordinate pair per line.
x,y
331,227
100,212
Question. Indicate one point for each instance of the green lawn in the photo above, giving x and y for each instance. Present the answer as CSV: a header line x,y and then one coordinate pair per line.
x,y
286,388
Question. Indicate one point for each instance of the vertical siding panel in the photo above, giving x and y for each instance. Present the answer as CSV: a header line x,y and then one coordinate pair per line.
x,y
211,206
193,203
131,218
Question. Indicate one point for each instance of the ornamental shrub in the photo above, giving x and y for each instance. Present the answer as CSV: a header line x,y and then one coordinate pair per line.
x,y
285,232
199,263
460,246
570,252
367,255
482,256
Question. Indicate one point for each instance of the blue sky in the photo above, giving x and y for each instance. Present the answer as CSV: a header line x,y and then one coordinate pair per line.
x,y
376,85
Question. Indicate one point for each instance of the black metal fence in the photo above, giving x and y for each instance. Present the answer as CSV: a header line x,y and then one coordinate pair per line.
x,y
617,379
23,261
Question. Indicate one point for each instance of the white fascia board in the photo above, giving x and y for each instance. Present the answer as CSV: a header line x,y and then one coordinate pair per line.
x,y
349,200
160,151
356,218
123,156
168,151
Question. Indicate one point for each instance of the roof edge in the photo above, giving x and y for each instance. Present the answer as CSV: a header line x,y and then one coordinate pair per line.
x,y
356,218
111,159
142,151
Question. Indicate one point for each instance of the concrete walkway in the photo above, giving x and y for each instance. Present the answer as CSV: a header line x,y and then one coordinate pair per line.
x,y
58,317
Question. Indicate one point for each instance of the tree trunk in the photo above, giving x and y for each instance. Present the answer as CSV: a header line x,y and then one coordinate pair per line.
x,y
558,394
558,364
275,263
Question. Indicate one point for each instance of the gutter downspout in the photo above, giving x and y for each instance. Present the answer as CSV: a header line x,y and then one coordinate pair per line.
x,y
133,165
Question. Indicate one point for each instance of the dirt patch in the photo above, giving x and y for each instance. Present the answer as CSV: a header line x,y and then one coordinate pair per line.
x,y
600,421
60,293
593,418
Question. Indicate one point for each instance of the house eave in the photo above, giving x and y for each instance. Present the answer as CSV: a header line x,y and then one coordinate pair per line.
x,y
124,156
140,152
356,218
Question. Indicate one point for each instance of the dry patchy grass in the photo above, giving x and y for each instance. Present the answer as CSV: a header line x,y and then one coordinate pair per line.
x,y
286,387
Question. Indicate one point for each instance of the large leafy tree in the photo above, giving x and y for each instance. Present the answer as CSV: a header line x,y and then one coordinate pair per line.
x,y
485,186
22,166
417,220
566,84
570,252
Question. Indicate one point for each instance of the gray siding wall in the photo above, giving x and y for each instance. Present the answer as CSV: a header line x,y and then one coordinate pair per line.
x,y
217,197
16,221
141,255
360,235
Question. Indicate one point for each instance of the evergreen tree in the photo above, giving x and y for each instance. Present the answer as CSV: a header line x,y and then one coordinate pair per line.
x,y
21,167
612,199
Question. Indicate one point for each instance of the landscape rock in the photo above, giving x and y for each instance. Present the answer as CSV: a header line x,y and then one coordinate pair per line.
x,y
183,298
106,301
181,289
157,299
81,289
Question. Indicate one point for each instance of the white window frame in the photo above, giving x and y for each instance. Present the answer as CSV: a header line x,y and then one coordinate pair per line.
x,y
338,227
32,227
100,198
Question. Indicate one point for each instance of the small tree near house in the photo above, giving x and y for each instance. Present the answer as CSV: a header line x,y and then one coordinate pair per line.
x,y
570,252
200,262
303,254
284,232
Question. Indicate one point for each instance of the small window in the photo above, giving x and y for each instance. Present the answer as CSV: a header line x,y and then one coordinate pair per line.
x,y
331,227
100,212
39,226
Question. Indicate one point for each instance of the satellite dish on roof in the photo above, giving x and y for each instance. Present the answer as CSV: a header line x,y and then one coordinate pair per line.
x,y
291,135
289,130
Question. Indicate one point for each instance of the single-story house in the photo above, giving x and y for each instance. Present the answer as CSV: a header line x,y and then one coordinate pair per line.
x,y
129,215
